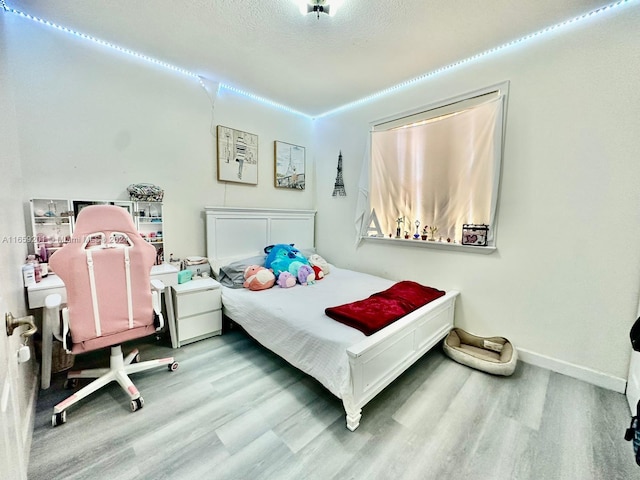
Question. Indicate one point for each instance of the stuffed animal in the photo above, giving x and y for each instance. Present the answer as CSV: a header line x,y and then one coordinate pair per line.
x,y
306,275
318,271
286,280
294,267
284,258
316,260
258,278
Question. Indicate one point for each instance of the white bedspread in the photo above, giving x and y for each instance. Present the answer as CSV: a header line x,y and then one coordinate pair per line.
x,y
291,322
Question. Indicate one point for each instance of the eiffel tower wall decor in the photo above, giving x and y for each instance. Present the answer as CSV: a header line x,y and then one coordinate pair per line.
x,y
289,165
338,189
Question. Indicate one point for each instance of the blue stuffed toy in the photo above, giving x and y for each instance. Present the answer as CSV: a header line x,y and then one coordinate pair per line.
x,y
284,257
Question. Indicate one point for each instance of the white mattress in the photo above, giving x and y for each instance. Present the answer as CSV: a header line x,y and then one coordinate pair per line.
x,y
291,322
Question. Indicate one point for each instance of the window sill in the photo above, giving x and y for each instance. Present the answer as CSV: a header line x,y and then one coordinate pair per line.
x,y
434,245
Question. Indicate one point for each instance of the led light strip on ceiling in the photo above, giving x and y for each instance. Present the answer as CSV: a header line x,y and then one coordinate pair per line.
x,y
368,98
147,58
425,76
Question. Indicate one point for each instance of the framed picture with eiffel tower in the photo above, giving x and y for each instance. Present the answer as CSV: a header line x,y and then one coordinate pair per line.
x,y
289,165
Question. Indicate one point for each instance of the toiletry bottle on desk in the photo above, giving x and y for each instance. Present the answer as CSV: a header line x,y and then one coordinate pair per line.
x,y
33,260
28,275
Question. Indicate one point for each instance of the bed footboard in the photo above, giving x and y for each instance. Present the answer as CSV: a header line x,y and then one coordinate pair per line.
x,y
380,358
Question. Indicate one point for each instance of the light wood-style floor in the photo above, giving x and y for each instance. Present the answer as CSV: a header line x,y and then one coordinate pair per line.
x,y
234,410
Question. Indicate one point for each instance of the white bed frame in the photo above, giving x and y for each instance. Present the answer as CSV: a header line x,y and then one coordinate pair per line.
x,y
234,233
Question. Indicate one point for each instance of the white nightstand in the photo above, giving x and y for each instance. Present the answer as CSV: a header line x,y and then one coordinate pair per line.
x,y
198,310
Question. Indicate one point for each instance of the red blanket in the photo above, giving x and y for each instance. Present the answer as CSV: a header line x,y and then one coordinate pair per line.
x,y
382,308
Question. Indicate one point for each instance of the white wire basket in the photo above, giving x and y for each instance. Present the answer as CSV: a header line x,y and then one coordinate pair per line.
x,y
145,192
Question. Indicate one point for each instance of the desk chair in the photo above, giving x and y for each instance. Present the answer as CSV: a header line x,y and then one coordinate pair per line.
x,y
110,299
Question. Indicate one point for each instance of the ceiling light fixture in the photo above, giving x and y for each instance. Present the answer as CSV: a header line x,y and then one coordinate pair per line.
x,y
330,7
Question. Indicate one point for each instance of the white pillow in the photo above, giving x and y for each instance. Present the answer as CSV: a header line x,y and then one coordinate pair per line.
x,y
232,275
221,262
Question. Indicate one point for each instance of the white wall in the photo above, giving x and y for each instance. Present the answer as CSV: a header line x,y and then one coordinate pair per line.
x,y
92,121
22,379
564,282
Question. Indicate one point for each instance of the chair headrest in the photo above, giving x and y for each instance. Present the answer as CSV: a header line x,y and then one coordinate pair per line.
x,y
103,218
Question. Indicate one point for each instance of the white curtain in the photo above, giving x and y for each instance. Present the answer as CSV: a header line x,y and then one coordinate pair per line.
x,y
443,172
362,202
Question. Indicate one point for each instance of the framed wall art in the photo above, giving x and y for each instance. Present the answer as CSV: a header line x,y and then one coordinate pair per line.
x,y
289,165
237,156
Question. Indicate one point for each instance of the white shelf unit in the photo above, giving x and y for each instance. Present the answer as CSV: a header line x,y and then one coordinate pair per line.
x,y
198,310
51,225
149,220
53,221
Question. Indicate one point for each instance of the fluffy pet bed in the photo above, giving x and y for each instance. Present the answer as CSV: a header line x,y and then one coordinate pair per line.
x,y
494,355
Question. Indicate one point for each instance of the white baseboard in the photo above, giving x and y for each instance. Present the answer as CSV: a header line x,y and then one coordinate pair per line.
x,y
575,371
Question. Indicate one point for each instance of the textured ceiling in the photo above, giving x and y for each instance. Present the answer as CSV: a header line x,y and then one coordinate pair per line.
x,y
312,65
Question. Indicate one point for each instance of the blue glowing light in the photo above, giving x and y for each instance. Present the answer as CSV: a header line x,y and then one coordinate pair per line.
x,y
98,41
368,98
425,76
147,58
266,101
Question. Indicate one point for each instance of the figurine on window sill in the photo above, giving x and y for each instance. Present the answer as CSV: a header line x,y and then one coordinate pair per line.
x,y
416,235
399,221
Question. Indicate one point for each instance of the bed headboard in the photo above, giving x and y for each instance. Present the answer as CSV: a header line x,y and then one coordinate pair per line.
x,y
234,232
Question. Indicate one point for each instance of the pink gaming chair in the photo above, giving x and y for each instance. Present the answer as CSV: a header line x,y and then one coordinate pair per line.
x,y
110,299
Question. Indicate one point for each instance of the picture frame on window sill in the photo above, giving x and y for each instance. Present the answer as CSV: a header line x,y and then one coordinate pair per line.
x,y
289,165
473,234
237,153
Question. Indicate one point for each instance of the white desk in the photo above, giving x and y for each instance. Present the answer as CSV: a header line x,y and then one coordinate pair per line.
x,y
36,295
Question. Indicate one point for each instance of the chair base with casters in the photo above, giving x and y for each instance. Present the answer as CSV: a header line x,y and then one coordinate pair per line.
x,y
119,366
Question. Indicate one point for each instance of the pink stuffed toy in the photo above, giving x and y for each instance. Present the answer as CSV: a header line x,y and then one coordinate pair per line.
x,y
286,280
258,278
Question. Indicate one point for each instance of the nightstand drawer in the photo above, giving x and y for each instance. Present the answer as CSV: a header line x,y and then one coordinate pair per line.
x,y
193,303
200,326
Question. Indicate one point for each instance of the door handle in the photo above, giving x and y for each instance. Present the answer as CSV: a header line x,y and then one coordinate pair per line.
x,y
13,323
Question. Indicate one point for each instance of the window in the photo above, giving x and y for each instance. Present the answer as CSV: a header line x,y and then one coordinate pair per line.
x,y
439,167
